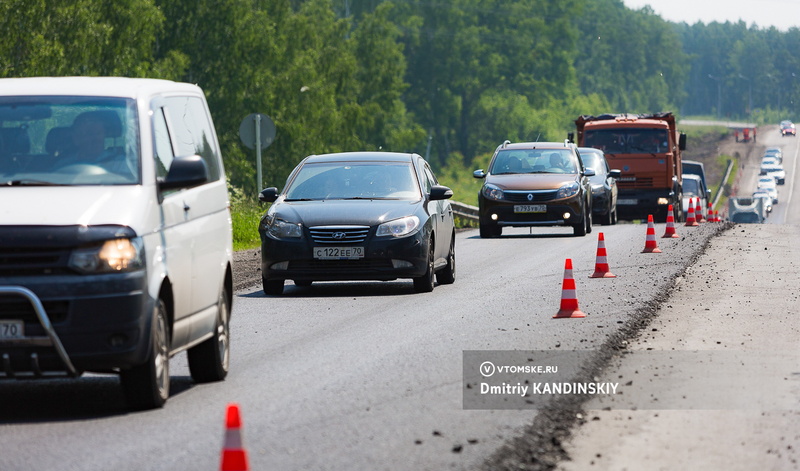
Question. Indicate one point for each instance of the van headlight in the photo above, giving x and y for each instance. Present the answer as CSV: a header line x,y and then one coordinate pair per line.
x,y
114,256
398,227
570,189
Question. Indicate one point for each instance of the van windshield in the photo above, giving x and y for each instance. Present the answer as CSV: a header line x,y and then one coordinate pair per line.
x,y
63,140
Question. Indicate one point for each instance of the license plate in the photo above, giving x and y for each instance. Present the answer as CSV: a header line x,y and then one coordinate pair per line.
x,y
12,329
530,208
338,253
627,201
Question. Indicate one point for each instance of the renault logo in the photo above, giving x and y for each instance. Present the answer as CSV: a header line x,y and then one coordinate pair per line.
x,y
339,235
530,196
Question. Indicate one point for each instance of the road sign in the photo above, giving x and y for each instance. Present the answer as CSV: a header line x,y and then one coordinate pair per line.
x,y
257,127
257,131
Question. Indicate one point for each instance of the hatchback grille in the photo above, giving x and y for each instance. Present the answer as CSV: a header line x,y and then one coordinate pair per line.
x,y
522,196
339,234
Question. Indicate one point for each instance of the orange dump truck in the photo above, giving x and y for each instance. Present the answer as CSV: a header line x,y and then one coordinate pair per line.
x,y
647,149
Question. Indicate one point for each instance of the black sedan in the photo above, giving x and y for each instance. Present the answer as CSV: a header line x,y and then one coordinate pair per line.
x,y
358,216
604,185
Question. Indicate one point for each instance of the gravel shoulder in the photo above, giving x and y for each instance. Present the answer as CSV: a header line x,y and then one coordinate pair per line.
x,y
737,410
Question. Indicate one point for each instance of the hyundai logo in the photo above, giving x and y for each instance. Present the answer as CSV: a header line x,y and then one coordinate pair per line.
x,y
530,196
339,236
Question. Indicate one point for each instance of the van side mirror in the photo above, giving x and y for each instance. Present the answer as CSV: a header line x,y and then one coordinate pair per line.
x,y
615,173
479,173
571,136
185,172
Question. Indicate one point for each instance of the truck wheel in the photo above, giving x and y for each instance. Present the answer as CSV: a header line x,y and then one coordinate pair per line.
x,y
147,386
209,361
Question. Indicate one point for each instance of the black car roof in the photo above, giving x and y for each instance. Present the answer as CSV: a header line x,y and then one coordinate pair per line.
x,y
365,156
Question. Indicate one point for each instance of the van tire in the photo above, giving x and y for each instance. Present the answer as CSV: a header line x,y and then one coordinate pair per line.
x,y
208,362
146,386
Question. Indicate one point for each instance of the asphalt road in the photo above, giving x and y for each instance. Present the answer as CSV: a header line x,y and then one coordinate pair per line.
x,y
365,375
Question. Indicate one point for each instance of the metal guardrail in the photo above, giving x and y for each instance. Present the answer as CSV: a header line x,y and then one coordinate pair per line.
x,y
464,210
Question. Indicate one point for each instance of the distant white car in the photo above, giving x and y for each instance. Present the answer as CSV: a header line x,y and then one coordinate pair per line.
x,y
774,152
775,171
764,194
693,189
768,184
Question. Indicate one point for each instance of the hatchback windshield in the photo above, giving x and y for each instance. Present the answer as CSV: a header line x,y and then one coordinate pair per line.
x,y
68,141
513,161
353,180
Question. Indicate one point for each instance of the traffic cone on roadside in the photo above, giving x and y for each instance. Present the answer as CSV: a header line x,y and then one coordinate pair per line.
x,y
601,269
690,220
670,231
234,457
710,212
569,298
698,212
650,244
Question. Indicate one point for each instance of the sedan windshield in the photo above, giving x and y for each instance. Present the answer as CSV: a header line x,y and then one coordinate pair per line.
x,y
354,180
47,140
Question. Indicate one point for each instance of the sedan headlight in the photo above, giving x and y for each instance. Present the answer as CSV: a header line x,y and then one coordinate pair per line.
x,y
114,256
492,192
570,189
279,229
399,227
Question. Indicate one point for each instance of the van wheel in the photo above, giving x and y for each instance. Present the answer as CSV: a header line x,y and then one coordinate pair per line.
x,y
424,283
147,386
272,287
209,361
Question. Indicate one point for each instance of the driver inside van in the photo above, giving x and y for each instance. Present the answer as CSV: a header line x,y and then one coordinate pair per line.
x,y
88,133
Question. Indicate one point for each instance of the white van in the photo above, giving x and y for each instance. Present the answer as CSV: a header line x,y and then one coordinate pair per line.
x,y
115,232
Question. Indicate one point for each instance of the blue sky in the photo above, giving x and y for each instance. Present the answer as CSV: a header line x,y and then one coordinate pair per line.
x,y
782,14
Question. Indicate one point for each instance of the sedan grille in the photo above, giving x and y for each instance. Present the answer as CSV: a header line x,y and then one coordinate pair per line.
x,y
522,196
339,234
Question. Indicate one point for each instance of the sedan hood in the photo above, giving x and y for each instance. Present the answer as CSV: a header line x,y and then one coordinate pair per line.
x,y
532,181
344,212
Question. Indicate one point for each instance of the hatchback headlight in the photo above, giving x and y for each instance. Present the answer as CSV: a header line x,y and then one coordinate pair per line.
x,y
399,227
114,256
279,229
570,189
492,192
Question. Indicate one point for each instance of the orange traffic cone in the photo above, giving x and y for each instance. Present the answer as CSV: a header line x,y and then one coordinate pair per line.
x,y
234,457
651,245
698,212
690,220
601,269
670,233
716,216
569,300
710,213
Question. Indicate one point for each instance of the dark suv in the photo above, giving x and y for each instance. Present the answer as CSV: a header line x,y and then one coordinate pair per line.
x,y
535,184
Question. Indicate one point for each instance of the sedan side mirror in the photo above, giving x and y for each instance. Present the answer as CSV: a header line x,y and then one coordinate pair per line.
x,y
589,172
439,192
268,195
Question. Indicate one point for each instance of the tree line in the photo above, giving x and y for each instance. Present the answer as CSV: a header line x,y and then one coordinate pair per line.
x,y
446,79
